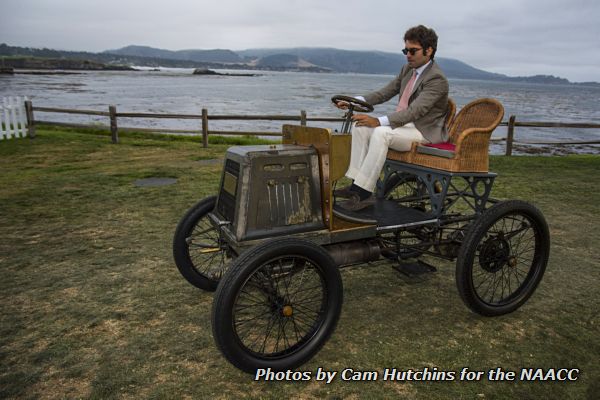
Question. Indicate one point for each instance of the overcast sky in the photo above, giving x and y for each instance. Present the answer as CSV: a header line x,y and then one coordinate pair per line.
x,y
513,37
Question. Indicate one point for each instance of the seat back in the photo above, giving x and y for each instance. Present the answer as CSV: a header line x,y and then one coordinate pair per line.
x,y
450,113
482,113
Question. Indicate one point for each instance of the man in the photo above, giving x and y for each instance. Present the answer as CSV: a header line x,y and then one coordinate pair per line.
x,y
419,117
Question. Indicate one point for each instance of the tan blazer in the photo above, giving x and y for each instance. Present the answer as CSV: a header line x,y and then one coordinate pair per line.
x,y
427,104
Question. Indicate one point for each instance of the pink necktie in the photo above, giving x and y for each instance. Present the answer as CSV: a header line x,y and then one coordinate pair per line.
x,y
403,103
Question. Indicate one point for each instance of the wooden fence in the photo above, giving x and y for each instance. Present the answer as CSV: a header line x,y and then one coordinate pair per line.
x,y
204,118
13,120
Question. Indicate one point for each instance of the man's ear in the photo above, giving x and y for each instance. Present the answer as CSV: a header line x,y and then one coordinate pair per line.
x,y
429,51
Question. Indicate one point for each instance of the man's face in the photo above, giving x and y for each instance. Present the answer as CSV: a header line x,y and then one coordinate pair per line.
x,y
420,57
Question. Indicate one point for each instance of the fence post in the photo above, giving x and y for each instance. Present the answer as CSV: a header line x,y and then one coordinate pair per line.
x,y
3,120
302,117
510,135
30,119
114,132
204,127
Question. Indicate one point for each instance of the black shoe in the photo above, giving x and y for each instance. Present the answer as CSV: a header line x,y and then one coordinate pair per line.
x,y
345,192
354,203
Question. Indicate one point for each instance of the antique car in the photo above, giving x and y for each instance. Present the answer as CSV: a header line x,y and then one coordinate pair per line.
x,y
273,238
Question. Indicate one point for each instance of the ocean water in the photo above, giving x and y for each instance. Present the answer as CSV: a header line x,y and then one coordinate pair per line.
x,y
286,93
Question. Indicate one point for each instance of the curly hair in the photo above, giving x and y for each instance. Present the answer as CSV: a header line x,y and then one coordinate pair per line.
x,y
426,37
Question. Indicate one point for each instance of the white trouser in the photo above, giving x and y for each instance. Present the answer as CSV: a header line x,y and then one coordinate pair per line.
x,y
370,147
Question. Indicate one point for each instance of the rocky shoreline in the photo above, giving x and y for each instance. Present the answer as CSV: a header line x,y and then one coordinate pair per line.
x,y
42,64
555,149
44,72
210,72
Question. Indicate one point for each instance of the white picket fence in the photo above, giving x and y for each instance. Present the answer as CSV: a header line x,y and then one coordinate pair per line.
x,y
13,118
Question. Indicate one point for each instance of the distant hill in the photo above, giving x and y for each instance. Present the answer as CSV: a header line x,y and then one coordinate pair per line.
x,y
9,53
369,62
285,59
328,59
279,60
286,62
216,55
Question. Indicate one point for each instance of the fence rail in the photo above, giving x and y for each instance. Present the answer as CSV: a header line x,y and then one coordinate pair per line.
x,y
13,120
205,117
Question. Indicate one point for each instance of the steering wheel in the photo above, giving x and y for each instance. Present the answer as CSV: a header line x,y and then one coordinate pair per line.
x,y
355,104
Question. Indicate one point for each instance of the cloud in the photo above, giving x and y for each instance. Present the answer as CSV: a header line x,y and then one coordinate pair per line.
x,y
514,37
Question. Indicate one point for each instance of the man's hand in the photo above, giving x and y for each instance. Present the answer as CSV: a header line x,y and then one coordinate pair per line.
x,y
365,120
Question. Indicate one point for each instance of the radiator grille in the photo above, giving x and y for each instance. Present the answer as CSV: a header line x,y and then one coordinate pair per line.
x,y
286,203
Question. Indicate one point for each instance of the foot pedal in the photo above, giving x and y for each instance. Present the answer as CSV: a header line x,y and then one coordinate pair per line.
x,y
414,269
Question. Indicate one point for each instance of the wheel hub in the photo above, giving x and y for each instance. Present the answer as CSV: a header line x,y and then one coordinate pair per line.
x,y
287,311
495,254
281,307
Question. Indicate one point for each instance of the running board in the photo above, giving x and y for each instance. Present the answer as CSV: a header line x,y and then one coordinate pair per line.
x,y
388,215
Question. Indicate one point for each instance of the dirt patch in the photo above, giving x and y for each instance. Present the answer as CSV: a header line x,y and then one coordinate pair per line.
x,y
152,182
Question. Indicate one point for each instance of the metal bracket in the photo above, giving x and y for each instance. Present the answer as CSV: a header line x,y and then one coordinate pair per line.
x,y
442,191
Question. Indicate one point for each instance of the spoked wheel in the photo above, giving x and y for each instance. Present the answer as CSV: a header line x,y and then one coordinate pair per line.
x,y
277,305
200,254
503,258
405,188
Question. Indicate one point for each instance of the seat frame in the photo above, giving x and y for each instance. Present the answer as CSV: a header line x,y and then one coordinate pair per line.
x,y
444,189
471,143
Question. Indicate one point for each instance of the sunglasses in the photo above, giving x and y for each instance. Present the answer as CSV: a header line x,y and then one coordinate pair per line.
x,y
412,50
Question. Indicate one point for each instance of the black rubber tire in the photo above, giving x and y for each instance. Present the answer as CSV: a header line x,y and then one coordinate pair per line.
x,y
203,270
261,283
508,244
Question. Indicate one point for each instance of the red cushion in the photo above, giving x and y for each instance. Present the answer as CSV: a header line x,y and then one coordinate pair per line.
x,y
443,146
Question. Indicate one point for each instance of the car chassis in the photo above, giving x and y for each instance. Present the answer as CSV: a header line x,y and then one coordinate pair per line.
x,y
272,241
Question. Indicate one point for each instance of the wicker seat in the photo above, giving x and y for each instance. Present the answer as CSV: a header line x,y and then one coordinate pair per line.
x,y
469,136
406,156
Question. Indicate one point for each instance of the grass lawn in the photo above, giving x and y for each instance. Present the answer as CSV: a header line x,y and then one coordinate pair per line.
x,y
92,305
